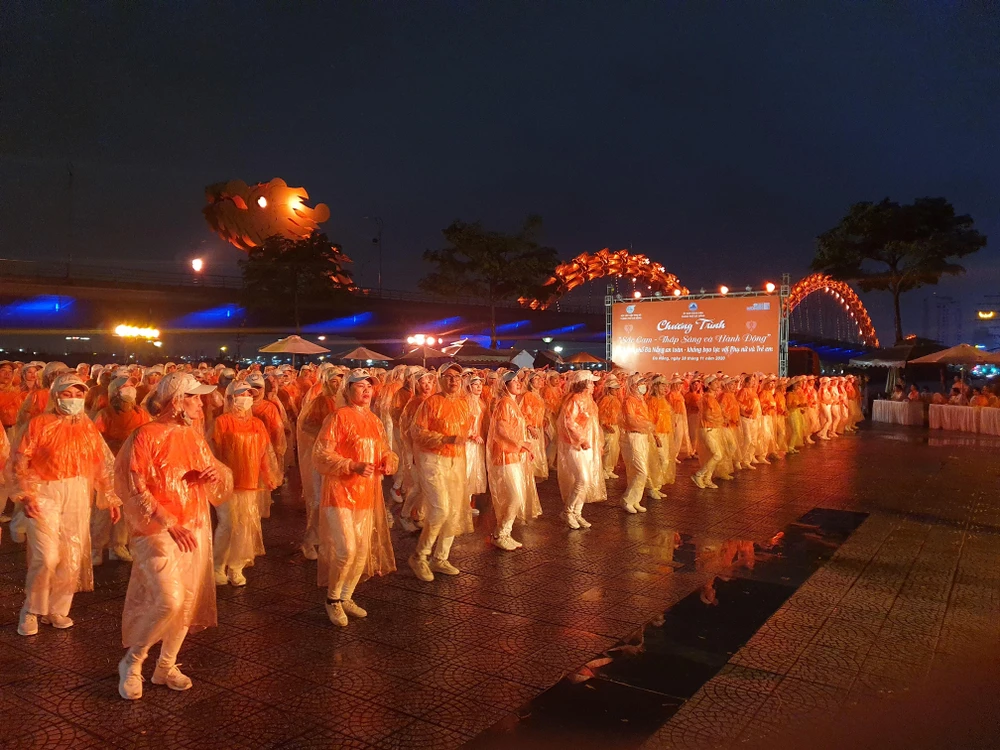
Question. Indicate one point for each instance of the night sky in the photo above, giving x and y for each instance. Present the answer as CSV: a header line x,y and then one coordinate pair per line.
x,y
718,138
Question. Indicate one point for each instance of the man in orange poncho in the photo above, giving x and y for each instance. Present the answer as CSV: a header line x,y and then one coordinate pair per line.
x,y
663,470
61,461
508,460
119,419
241,442
441,428
609,413
166,476
580,444
712,422
637,436
352,455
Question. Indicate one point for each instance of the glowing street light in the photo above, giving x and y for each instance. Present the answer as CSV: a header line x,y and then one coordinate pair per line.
x,y
677,292
197,264
723,289
132,332
637,295
769,287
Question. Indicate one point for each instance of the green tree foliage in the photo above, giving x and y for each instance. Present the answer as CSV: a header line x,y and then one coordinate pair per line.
x,y
895,248
490,265
283,279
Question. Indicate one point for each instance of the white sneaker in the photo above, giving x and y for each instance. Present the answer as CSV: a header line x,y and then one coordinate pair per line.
x,y
629,509
96,558
711,486
445,567
236,577
335,611
420,568
221,579
503,542
172,677
57,621
640,509
396,495
120,553
584,523
351,607
516,543
27,624
309,552
571,520
475,512
612,475
408,525
655,495
698,481
129,680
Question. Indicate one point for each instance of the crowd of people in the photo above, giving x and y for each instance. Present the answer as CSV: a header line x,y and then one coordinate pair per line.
x,y
960,394
130,460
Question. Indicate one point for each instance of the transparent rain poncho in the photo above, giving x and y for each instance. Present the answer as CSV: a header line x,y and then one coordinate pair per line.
x,y
475,452
404,426
508,461
581,478
533,408
663,467
637,435
353,525
316,408
609,414
169,589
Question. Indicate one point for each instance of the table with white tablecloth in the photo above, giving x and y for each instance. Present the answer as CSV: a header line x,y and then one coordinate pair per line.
x,y
950,417
989,421
898,412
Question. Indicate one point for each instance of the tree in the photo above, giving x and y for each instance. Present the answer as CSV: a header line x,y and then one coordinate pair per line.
x,y
284,277
888,247
493,266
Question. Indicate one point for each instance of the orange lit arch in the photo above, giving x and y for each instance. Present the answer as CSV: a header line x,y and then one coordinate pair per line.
x,y
845,296
589,266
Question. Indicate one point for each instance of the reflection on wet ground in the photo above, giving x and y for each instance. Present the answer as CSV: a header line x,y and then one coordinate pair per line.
x,y
621,696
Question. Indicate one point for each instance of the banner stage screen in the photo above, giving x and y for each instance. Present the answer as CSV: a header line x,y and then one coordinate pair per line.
x,y
731,334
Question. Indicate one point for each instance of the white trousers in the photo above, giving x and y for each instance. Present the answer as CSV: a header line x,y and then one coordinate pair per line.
x,y
238,537
712,443
635,449
442,482
346,537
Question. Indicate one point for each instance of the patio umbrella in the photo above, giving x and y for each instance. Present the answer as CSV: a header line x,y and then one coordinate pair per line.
x,y
293,345
364,354
583,358
963,355
423,353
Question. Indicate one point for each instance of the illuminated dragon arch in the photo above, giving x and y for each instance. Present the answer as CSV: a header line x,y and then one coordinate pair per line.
x,y
590,266
845,296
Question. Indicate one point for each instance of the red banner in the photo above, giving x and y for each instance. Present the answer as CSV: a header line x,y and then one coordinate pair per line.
x,y
731,334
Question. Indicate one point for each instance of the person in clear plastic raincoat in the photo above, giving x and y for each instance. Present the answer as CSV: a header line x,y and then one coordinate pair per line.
x,y
395,405
314,412
167,476
553,395
61,465
241,442
115,422
580,445
422,386
441,429
11,398
509,460
609,412
663,464
711,445
680,436
268,412
637,434
475,449
533,408
352,455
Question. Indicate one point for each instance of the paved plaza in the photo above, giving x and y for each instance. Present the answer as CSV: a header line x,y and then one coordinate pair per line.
x,y
804,591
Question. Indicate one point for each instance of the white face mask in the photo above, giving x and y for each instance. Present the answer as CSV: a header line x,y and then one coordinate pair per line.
x,y
243,403
642,389
70,406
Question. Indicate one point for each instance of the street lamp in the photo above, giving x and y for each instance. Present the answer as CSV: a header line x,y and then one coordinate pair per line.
x,y
197,264
378,241
769,287
723,289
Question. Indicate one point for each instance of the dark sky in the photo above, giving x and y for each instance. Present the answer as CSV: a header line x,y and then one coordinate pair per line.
x,y
718,138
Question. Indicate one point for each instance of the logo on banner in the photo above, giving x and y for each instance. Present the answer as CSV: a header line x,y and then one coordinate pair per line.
x,y
630,309
693,306
628,327
751,325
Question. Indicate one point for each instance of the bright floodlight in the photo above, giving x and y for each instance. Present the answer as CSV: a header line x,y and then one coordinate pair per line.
x,y
321,338
262,202
547,339
637,295
419,339
723,290
677,292
410,340
557,349
197,264
769,287
430,341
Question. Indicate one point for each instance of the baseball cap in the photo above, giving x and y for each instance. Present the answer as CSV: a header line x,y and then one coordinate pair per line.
x,y
181,382
449,366
582,376
255,380
357,376
67,380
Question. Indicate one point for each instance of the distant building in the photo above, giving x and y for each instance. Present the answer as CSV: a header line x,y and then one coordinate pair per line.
x,y
943,319
986,322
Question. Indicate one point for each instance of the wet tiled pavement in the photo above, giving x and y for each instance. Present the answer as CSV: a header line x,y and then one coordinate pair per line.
x,y
477,658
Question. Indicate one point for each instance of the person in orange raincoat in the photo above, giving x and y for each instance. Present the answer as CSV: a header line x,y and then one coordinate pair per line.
x,y
663,465
422,385
475,449
533,407
637,434
609,413
115,422
711,444
352,455
11,398
167,476
580,445
268,412
59,464
509,458
241,442
442,426
553,396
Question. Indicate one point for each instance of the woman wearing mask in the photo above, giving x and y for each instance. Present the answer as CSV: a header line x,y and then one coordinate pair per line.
x,y
662,463
241,442
475,450
422,386
115,422
61,461
509,457
579,449
352,456
533,407
637,438
166,476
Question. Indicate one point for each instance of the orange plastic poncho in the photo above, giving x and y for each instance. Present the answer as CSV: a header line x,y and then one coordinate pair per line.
x,y
242,444
441,416
268,412
661,415
676,400
511,483
609,411
577,424
692,401
352,434
711,412
533,408
730,408
553,396
749,403
116,426
768,405
11,398
33,405
635,415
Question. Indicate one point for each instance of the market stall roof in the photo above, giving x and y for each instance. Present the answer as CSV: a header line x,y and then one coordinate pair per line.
x,y
293,345
583,358
964,355
468,352
897,356
363,354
